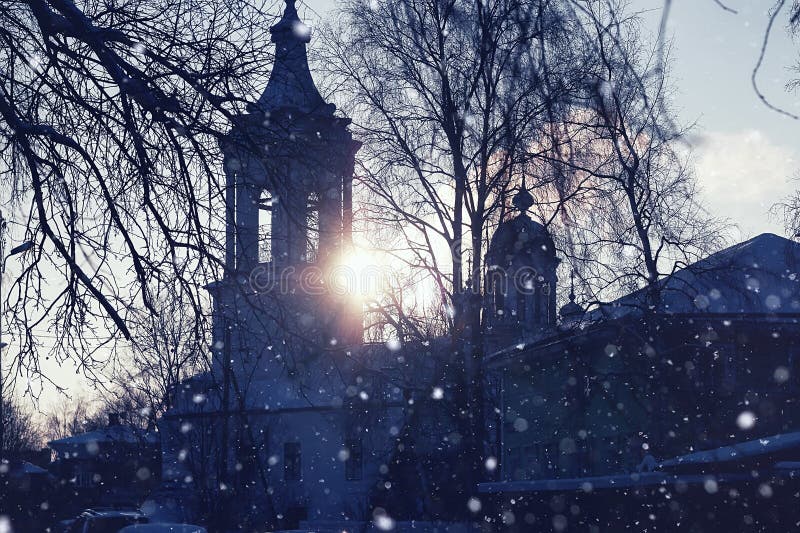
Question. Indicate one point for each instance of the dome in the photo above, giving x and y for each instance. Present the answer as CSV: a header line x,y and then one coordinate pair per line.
x,y
519,237
571,310
290,84
521,262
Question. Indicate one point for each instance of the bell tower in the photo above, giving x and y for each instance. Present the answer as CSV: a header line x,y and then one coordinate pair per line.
x,y
288,166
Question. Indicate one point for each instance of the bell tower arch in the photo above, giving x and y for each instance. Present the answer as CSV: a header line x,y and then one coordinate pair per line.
x,y
293,149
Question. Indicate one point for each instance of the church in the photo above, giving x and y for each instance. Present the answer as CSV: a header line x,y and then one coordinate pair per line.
x,y
302,424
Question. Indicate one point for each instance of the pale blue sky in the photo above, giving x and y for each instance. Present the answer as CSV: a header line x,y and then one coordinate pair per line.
x,y
746,153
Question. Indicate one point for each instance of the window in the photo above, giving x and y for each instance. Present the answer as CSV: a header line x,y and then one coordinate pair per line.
x,y
292,466
514,464
522,301
496,287
354,465
531,462
726,362
584,457
525,285
294,515
84,479
546,459
312,228
499,299
542,303
551,462
264,451
265,227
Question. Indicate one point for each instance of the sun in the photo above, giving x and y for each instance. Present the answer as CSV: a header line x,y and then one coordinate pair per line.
x,y
361,272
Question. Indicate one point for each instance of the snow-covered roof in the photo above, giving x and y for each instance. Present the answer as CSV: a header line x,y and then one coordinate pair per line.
x,y
761,275
734,460
766,447
592,483
24,468
758,276
110,434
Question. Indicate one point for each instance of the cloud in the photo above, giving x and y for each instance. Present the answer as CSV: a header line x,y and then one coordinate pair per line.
x,y
743,174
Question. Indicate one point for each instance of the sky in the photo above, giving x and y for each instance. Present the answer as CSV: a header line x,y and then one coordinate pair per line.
x,y
745,154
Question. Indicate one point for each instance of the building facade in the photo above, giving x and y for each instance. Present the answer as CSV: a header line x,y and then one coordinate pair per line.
x,y
299,419
601,392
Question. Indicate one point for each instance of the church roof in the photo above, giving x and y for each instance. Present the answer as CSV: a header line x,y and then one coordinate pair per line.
x,y
521,234
761,275
112,434
290,84
764,450
571,310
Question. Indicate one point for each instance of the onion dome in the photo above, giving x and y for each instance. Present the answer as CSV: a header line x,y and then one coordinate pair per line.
x,y
520,238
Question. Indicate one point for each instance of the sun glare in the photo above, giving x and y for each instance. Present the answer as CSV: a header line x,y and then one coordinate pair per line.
x,y
362,273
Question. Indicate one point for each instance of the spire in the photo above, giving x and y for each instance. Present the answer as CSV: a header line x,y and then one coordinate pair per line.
x,y
290,23
572,286
572,312
290,83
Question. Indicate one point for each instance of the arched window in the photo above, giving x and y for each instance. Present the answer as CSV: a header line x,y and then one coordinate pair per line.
x,y
543,303
265,227
526,292
498,290
312,228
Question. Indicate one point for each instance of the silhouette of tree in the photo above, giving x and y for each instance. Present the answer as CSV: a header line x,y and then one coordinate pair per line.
x,y
109,118
446,95
21,432
169,347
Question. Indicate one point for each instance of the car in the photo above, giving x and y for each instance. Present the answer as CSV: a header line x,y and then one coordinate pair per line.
x,y
163,528
105,521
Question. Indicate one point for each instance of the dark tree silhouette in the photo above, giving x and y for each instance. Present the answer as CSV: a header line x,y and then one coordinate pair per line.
x,y
109,118
21,432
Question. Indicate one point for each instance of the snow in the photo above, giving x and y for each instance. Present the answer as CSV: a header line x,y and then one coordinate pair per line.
x,y
111,434
755,276
758,448
586,484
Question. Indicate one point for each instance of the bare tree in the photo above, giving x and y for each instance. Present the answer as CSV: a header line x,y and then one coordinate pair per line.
x,y
444,94
169,347
109,118
66,419
21,432
625,201
624,194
